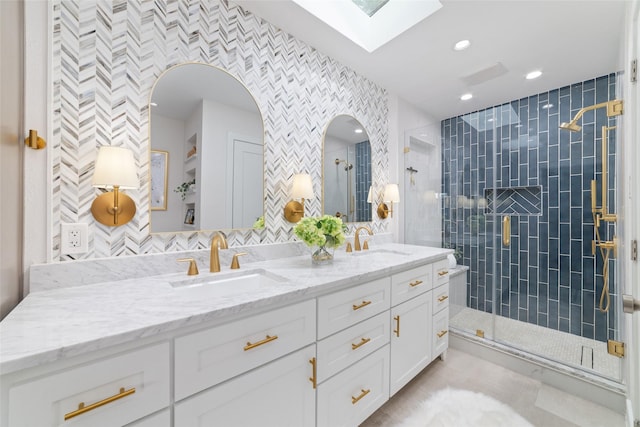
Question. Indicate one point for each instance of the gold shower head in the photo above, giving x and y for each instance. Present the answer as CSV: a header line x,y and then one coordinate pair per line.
x,y
614,108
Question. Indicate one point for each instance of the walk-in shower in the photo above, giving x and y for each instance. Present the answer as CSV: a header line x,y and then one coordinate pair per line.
x,y
517,208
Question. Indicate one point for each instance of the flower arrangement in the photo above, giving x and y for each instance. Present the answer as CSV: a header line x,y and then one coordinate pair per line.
x,y
259,224
326,231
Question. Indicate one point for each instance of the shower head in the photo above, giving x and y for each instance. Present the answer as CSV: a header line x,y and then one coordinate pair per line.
x,y
614,108
572,126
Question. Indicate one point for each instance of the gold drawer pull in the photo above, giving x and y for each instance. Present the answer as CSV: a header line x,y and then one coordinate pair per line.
x,y
358,307
82,409
362,342
397,329
249,346
314,371
442,333
354,400
443,272
416,283
443,297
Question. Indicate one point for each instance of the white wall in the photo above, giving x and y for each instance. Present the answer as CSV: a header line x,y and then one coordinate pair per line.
x,y
11,148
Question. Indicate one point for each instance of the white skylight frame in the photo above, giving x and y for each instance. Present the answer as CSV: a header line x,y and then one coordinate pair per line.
x,y
370,33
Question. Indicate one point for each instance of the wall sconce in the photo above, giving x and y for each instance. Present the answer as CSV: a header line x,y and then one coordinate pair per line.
x,y
115,168
302,188
391,195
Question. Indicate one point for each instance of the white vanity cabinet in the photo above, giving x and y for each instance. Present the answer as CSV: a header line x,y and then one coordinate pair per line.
x,y
112,391
279,394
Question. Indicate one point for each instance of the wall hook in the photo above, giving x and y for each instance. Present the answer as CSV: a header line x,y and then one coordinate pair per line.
x,y
34,141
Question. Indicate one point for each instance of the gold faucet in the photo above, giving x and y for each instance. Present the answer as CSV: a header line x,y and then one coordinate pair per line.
x,y
356,245
217,242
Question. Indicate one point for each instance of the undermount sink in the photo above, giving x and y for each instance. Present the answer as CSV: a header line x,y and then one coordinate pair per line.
x,y
379,251
222,284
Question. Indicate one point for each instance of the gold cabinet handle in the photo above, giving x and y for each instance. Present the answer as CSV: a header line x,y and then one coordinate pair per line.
x,y
82,409
416,283
355,400
442,298
358,307
249,345
314,370
362,342
442,333
506,230
443,272
397,329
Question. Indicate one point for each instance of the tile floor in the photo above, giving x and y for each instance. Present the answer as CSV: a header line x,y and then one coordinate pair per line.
x,y
588,354
541,405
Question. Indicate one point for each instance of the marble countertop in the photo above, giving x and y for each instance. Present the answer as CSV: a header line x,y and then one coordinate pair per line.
x,y
54,324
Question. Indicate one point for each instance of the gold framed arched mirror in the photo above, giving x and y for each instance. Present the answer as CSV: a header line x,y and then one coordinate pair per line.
x,y
346,171
207,151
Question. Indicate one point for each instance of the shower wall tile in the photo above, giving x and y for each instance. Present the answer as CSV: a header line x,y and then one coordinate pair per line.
x,y
548,276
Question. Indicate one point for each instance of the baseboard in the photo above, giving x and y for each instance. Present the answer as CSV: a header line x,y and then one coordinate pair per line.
x,y
595,389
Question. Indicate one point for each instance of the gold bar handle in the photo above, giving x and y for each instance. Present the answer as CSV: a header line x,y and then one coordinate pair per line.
x,y
442,333
82,409
355,400
249,345
506,230
314,372
397,329
358,307
416,283
442,298
362,342
443,273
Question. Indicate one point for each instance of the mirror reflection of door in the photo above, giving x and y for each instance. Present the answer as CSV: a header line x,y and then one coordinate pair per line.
x,y
196,110
346,170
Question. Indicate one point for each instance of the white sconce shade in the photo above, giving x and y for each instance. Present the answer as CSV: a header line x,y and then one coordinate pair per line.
x,y
302,187
115,166
391,193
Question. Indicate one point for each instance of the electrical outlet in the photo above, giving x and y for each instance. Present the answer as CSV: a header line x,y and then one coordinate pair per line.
x,y
74,238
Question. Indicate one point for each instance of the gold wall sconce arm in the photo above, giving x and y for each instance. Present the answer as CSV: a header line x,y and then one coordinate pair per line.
x,y
34,141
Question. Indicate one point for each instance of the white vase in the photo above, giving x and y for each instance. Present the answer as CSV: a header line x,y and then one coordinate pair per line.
x,y
452,261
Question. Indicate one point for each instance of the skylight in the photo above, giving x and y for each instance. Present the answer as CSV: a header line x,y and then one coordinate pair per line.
x,y
390,19
370,7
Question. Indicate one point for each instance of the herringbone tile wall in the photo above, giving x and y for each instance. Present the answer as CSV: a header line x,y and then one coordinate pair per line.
x,y
106,56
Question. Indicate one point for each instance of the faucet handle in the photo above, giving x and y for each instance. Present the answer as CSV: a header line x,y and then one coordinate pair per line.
x,y
365,245
193,267
349,249
234,262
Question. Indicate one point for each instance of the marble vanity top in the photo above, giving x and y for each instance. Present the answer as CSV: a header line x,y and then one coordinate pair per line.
x,y
53,324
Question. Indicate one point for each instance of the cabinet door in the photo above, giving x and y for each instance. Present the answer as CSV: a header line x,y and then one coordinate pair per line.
x,y
410,341
350,396
440,333
278,394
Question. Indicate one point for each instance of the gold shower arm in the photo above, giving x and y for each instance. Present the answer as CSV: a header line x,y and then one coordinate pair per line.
x,y
614,108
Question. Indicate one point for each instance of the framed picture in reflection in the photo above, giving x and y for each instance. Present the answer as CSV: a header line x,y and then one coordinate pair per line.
x,y
189,216
159,176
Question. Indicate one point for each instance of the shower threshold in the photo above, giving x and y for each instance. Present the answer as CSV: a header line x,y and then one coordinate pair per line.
x,y
578,352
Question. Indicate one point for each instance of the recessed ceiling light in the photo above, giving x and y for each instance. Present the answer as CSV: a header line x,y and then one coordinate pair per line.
x,y
534,74
466,97
462,45
358,130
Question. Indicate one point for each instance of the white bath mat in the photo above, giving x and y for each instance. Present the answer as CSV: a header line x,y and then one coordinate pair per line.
x,y
463,408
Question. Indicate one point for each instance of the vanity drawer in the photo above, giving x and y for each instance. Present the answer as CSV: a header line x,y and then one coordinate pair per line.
x,y
440,338
113,391
441,297
349,398
344,348
208,357
342,309
440,272
411,283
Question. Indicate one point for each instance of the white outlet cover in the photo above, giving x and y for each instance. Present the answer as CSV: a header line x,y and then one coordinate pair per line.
x,y
74,238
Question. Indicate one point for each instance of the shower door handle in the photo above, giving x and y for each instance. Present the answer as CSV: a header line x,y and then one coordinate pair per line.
x,y
506,230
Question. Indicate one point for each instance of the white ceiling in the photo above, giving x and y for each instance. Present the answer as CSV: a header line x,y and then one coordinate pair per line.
x,y
569,40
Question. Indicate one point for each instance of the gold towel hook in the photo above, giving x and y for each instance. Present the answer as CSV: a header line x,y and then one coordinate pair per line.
x,y
34,141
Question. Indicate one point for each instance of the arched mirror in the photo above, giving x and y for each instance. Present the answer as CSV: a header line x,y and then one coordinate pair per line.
x,y
346,173
207,151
